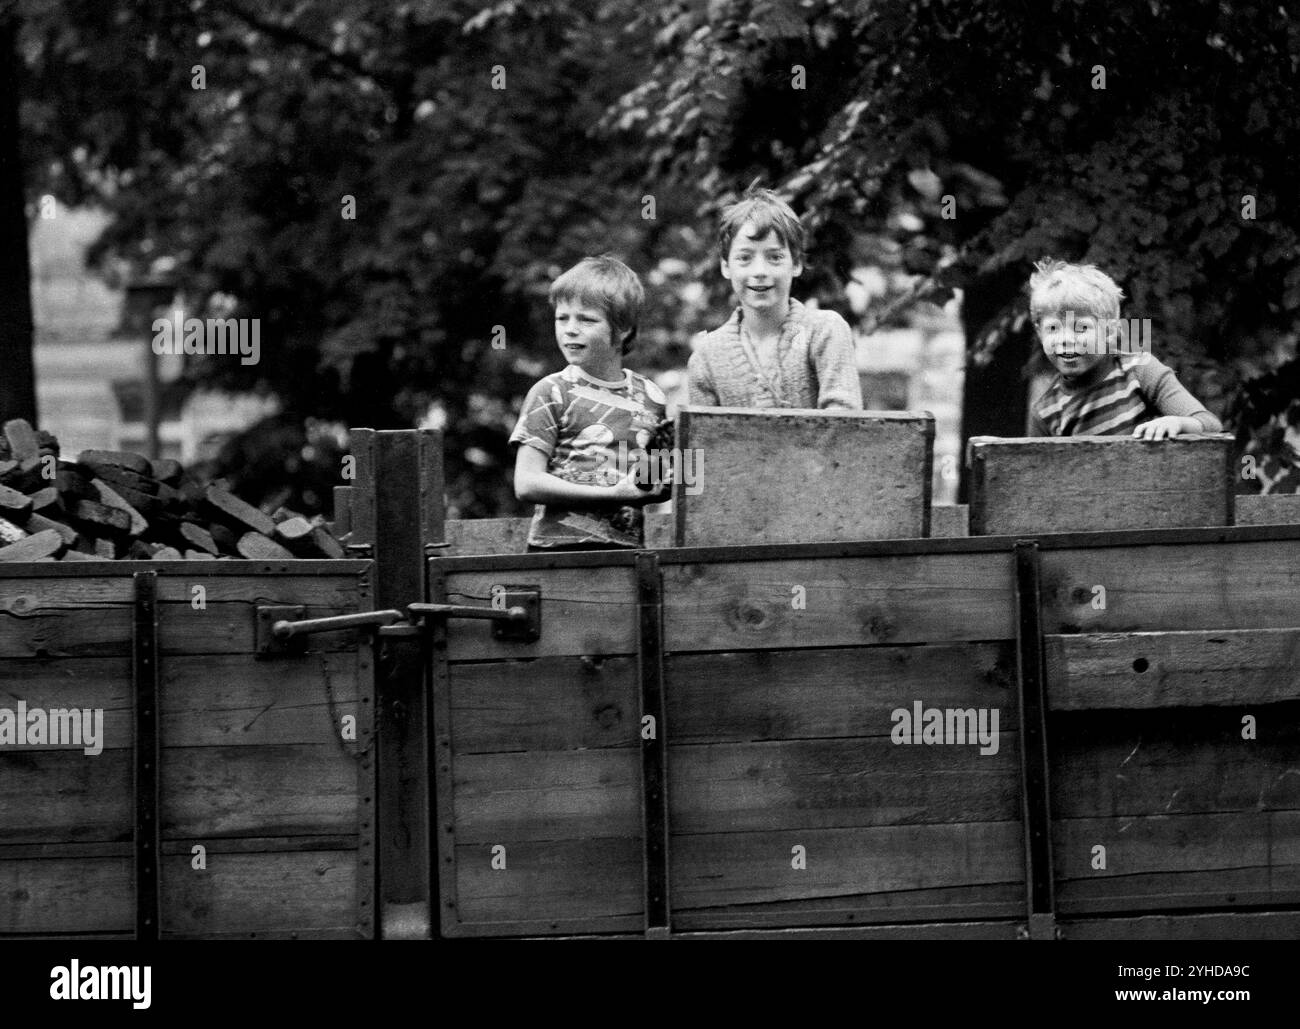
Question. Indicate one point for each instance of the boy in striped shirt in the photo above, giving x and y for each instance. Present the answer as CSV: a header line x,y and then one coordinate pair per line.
x,y
1099,390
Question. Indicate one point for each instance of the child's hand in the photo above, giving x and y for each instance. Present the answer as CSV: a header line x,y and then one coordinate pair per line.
x,y
1166,427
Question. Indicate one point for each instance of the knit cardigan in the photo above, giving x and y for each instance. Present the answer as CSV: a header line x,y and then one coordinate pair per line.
x,y
816,357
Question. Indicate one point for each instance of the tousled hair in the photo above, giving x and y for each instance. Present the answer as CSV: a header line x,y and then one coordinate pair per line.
x,y
768,213
1059,286
606,283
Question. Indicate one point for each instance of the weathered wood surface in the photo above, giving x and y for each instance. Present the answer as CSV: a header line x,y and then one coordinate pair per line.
x,y
73,617
510,535
948,520
737,868
304,789
1172,669
929,598
801,476
236,893
570,702
66,895
597,880
584,611
273,892
1178,856
549,703
1250,585
950,905
828,694
1092,483
1267,509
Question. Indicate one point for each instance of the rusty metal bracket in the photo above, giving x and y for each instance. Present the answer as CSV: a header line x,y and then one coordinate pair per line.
x,y
516,613
281,629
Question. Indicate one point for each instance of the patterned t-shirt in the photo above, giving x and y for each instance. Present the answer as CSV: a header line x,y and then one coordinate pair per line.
x,y
591,432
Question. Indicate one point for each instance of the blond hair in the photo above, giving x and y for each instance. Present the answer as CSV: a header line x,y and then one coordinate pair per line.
x,y
1057,286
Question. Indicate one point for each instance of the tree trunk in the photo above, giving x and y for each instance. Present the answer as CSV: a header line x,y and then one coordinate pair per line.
x,y
17,377
995,400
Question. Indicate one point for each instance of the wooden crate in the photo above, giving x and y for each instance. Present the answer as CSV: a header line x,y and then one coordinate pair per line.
x,y
795,476
253,767
1095,483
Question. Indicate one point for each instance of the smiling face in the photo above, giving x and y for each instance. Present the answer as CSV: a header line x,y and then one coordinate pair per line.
x,y
585,338
760,270
1074,341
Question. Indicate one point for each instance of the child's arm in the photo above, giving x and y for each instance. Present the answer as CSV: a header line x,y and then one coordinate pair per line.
x,y
535,485
700,391
1180,412
836,363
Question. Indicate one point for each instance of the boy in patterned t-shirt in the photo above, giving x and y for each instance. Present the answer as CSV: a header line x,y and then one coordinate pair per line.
x,y
584,430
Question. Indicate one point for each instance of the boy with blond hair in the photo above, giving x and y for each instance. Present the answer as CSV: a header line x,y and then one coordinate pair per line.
x,y
1101,387
773,351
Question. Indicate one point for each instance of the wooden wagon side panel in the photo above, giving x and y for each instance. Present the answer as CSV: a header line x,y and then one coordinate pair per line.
x,y
1174,736
538,759
804,788
262,800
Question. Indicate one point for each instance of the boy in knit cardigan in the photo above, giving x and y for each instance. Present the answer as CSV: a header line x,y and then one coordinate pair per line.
x,y
1099,390
772,351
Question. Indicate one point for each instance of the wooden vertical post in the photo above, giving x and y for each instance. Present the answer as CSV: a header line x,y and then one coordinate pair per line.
x,y
388,523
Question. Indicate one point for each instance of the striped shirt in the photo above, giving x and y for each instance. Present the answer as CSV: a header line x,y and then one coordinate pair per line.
x,y
1121,396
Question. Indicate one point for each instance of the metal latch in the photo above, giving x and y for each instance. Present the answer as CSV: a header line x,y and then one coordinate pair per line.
x,y
516,613
283,630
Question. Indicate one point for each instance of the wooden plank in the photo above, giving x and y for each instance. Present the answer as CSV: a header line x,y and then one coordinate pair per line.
x,y
660,529
1267,509
301,789
253,893
595,878
432,499
819,694
1176,852
1091,483
549,703
487,536
830,784
85,683
961,903
21,595
948,520
342,510
51,796
1174,762
63,895
584,611
744,868
510,535
796,476
538,796
294,790
1172,669
1254,925
1210,586
218,700
217,629
1224,888
918,598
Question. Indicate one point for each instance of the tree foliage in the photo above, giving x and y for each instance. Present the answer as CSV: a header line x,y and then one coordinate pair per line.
x,y
880,118
1154,139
